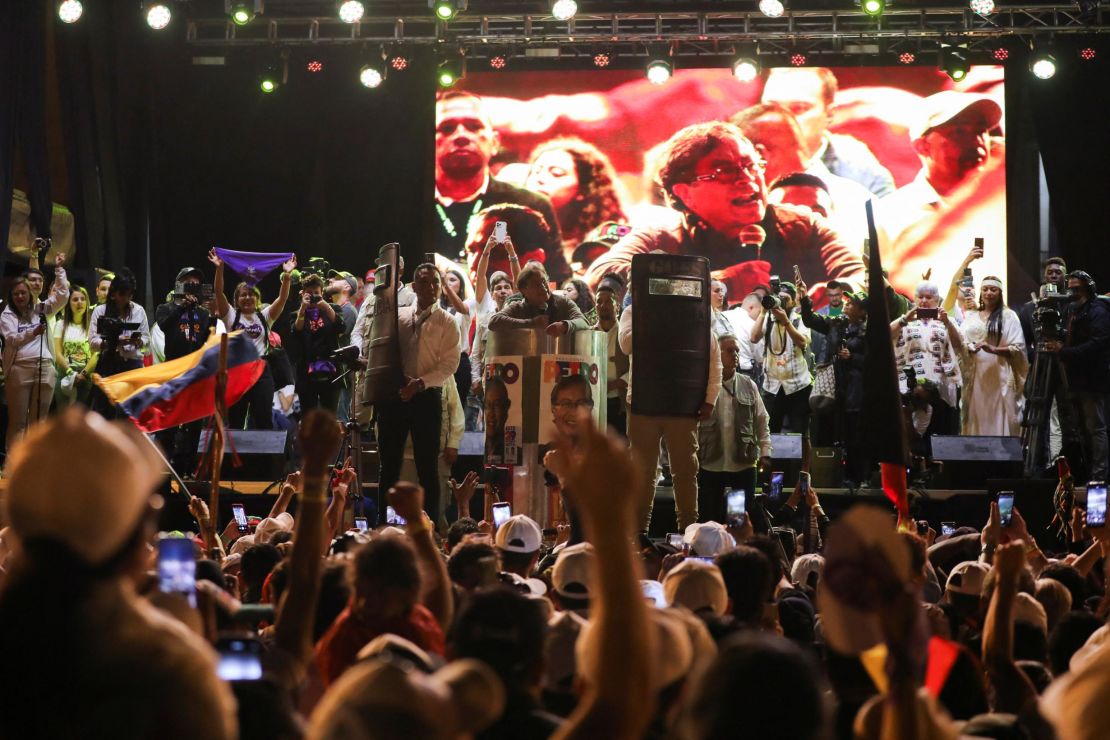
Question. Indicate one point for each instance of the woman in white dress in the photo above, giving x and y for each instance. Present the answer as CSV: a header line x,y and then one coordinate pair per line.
x,y
994,365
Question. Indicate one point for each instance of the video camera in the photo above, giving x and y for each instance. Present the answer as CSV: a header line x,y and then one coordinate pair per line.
x,y
202,291
316,266
1050,310
111,328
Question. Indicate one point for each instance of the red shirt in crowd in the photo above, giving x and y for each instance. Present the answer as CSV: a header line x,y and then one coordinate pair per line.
x,y
338,649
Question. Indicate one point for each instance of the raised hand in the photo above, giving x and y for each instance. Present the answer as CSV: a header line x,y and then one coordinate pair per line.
x,y
289,264
215,258
320,436
464,492
602,480
407,499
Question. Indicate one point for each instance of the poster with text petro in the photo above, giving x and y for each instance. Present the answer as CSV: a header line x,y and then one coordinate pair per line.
x,y
502,408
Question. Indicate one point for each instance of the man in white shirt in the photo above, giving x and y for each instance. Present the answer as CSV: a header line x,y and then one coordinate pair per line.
x,y
681,433
787,380
742,318
429,339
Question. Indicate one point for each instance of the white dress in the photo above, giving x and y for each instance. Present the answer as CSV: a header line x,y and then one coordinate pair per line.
x,y
993,384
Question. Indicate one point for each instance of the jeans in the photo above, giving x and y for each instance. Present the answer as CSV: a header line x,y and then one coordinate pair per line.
x,y
1090,410
421,417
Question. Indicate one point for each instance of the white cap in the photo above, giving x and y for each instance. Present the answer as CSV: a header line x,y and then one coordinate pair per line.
x,y
939,109
241,545
1028,610
967,578
708,539
519,534
806,565
81,481
696,585
573,575
670,645
270,526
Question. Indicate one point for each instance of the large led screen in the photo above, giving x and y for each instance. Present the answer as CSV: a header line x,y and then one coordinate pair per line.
x,y
589,167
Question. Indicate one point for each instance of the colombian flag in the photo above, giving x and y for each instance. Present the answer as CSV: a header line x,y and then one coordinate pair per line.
x,y
183,390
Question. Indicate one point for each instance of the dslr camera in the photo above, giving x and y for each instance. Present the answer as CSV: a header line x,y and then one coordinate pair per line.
x,y
770,302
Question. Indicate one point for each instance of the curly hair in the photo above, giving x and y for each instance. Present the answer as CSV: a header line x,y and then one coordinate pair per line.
x,y
681,153
597,200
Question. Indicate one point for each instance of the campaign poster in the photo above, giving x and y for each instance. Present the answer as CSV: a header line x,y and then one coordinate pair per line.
x,y
564,155
568,383
503,399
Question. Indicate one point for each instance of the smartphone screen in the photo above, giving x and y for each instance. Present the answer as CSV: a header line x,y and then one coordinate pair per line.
x,y
927,313
948,528
392,519
177,568
360,524
803,481
1005,507
240,518
735,503
501,514
674,539
1096,504
776,485
240,659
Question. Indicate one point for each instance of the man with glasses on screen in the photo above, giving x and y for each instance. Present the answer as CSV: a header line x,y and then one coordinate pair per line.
x,y
465,143
714,178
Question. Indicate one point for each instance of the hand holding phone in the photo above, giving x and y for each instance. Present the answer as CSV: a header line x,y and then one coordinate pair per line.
x,y
1005,507
240,515
361,524
927,313
948,528
735,507
392,519
240,659
177,568
501,513
1096,504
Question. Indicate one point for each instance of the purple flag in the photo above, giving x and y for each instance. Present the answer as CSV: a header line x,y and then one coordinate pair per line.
x,y
253,266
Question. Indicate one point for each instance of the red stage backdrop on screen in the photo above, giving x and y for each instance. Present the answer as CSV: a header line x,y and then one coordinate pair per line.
x,y
559,156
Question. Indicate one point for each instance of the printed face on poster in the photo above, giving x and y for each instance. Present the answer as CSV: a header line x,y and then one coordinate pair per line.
x,y
568,384
502,407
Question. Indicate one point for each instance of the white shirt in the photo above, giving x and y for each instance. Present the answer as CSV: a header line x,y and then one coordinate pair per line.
x,y
135,314
713,386
252,326
751,353
429,344
784,365
20,342
485,309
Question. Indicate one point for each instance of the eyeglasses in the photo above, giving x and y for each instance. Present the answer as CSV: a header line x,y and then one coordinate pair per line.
x,y
731,175
585,403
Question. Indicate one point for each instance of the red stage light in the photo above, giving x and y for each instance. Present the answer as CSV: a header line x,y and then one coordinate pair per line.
x,y
798,59
601,59
1001,54
498,61
907,57
1087,54
315,66
398,62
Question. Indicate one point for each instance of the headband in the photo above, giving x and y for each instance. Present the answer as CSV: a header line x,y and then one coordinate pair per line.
x,y
991,282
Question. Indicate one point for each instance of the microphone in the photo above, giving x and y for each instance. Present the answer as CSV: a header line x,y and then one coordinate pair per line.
x,y
753,235
40,309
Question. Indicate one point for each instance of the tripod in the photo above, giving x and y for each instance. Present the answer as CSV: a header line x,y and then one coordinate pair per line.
x,y
351,446
1048,381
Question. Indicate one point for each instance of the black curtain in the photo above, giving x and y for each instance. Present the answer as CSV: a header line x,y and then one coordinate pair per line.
x,y
23,109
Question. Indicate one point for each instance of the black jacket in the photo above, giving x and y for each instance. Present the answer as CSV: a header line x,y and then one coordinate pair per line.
x,y
849,373
1086,354
185,331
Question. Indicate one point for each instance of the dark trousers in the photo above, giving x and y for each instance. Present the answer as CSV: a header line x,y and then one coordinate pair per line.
x,y
857,467
258,402
711,491
462,377
421,417
180,445
315,393
617,419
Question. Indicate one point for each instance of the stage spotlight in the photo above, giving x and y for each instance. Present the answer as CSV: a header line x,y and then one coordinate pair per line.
x,y
1087,53
243,12
745,69
158,15
371,75
954,61
270,79
659,71
498,61
351,11
873,7
315,66
1042,65
1001,54
602,59
70,11
445,10
907,57
798,59
398,61
450,71
564,10
982,7
772,8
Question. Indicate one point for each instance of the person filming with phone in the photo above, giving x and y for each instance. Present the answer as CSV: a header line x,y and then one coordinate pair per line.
x,y
927,339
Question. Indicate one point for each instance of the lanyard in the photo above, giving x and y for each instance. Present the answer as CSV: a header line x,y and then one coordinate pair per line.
x,y
448,224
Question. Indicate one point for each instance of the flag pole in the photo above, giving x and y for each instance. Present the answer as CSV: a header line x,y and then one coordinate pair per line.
x,y
217,440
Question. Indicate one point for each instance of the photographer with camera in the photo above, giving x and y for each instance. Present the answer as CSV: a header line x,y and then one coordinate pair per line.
x,y
119,333
787,380
317,327
1055,273
28,357
1085,354
255,320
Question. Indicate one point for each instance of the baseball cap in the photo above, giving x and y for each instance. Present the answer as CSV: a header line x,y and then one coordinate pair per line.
x,y
351,279
77,504
708,539
967,578
563,630
270,526
242,544
1028,610
519,534
653,593
785,287
696,585
185,272
942,107
806,565
572,575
